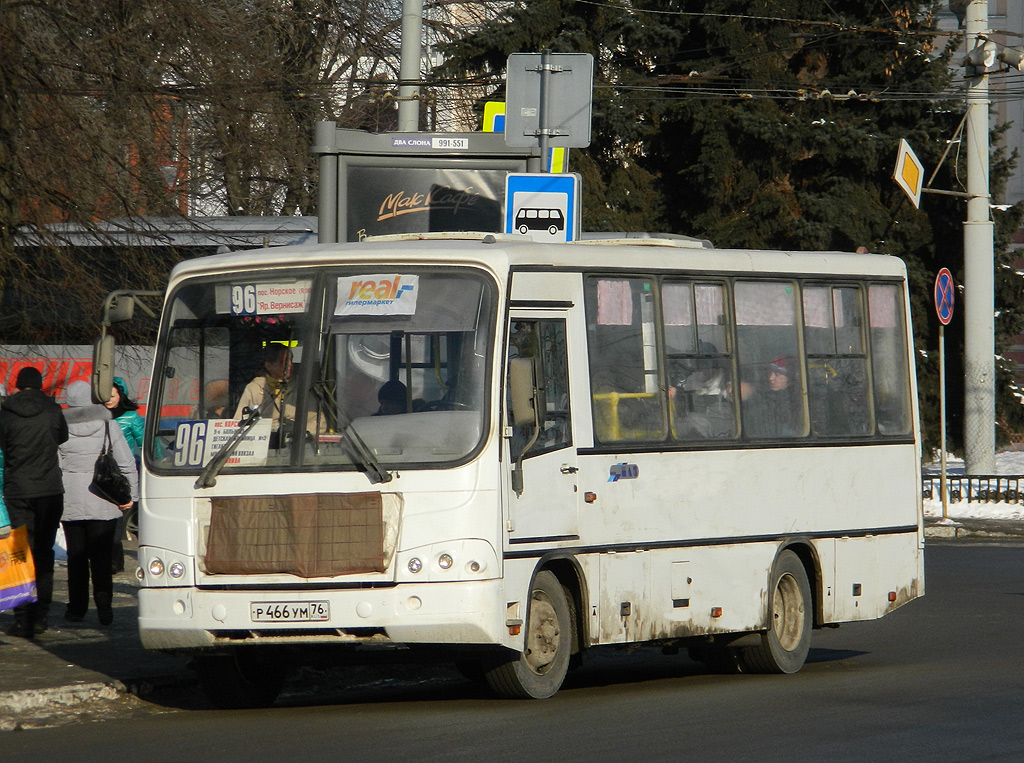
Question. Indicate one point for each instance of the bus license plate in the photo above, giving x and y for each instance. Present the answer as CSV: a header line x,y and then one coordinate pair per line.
x,y
290,611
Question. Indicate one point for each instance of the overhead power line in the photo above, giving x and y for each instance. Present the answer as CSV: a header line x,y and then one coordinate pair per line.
x,y
822,23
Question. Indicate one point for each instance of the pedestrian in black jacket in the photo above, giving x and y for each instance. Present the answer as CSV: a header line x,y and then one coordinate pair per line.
x,y
32,427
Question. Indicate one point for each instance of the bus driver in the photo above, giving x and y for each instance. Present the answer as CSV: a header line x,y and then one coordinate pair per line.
x,y
267,392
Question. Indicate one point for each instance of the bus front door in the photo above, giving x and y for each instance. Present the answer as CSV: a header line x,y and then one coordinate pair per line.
x,y
546,507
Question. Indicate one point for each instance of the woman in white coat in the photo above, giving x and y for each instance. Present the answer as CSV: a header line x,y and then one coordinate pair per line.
x,y
89,521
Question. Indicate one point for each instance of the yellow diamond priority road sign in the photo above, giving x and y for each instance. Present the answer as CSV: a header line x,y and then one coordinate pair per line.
x,y
909,173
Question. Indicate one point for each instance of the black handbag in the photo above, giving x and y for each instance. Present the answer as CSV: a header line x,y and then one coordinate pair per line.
x,y
107,480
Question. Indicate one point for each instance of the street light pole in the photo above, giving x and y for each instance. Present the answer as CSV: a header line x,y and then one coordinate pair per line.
x,y
979,269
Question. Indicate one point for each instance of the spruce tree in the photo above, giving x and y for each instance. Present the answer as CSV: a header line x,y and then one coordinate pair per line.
x,y
774,124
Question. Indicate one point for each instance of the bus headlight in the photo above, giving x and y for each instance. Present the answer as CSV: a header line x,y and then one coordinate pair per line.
x,y
176,570
156,567
448,561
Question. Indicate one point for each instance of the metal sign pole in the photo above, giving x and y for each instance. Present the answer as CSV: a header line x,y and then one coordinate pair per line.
x,y
542,111
943,485
944,299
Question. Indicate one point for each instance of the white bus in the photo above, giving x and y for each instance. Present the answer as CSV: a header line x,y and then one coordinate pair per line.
x,y
609,442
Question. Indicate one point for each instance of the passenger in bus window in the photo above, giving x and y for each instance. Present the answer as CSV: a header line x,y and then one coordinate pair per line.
x,y
778,374
747,391
215,401
778,412
392,398
712,412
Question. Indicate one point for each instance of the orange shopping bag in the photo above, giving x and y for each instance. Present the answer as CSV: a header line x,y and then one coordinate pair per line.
x,y
17,570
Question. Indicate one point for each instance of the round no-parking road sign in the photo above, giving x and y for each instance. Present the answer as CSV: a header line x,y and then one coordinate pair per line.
x,y
944,296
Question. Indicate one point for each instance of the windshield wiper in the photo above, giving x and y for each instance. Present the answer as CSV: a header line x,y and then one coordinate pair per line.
x,y
208,476
361,453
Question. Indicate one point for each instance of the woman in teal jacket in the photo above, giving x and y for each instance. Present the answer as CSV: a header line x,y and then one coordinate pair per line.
x,y
125,412
5,519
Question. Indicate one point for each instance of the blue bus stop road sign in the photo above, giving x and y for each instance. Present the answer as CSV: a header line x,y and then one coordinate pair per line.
x,y
944,296
543,207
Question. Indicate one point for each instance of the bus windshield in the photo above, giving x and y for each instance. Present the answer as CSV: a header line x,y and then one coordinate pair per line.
x,y
394,373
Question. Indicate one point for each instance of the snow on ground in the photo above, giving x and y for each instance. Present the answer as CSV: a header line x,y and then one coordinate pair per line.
x,y
1007,463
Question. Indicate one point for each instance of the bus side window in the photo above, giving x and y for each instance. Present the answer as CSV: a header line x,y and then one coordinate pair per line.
x,y
767,343
889,377
698,360
545,341
625,375
837,364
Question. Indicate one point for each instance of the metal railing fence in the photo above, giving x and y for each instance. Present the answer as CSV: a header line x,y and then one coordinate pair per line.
x,y
975,488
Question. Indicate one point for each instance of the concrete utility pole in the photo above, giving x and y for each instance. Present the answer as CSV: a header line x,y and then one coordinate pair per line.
x,y
979,269
409,95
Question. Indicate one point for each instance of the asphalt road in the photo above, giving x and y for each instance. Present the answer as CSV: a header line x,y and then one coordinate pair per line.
x,y
942,679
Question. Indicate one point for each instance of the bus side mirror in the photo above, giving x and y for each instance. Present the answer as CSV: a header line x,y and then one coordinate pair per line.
x,y
528,405
520,383
118,308
102,368
526,392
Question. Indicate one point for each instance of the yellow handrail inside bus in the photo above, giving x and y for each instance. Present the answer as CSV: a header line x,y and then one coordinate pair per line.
x,y
609,426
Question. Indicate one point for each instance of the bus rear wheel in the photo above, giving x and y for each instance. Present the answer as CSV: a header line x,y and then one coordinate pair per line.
x,y
538,672
784,646
242,679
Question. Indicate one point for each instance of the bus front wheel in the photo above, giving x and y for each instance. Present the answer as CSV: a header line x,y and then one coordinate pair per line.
x,y
538,672
241,679
784,646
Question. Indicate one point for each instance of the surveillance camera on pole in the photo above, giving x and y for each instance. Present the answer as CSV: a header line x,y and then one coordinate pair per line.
x,y
982,59
1012,57
986,56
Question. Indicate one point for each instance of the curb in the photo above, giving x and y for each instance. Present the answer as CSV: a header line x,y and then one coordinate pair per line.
x,y
942,531
35,701
955,530
20,707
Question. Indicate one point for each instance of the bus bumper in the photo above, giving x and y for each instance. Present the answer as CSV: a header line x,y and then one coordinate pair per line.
x,y
431,613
